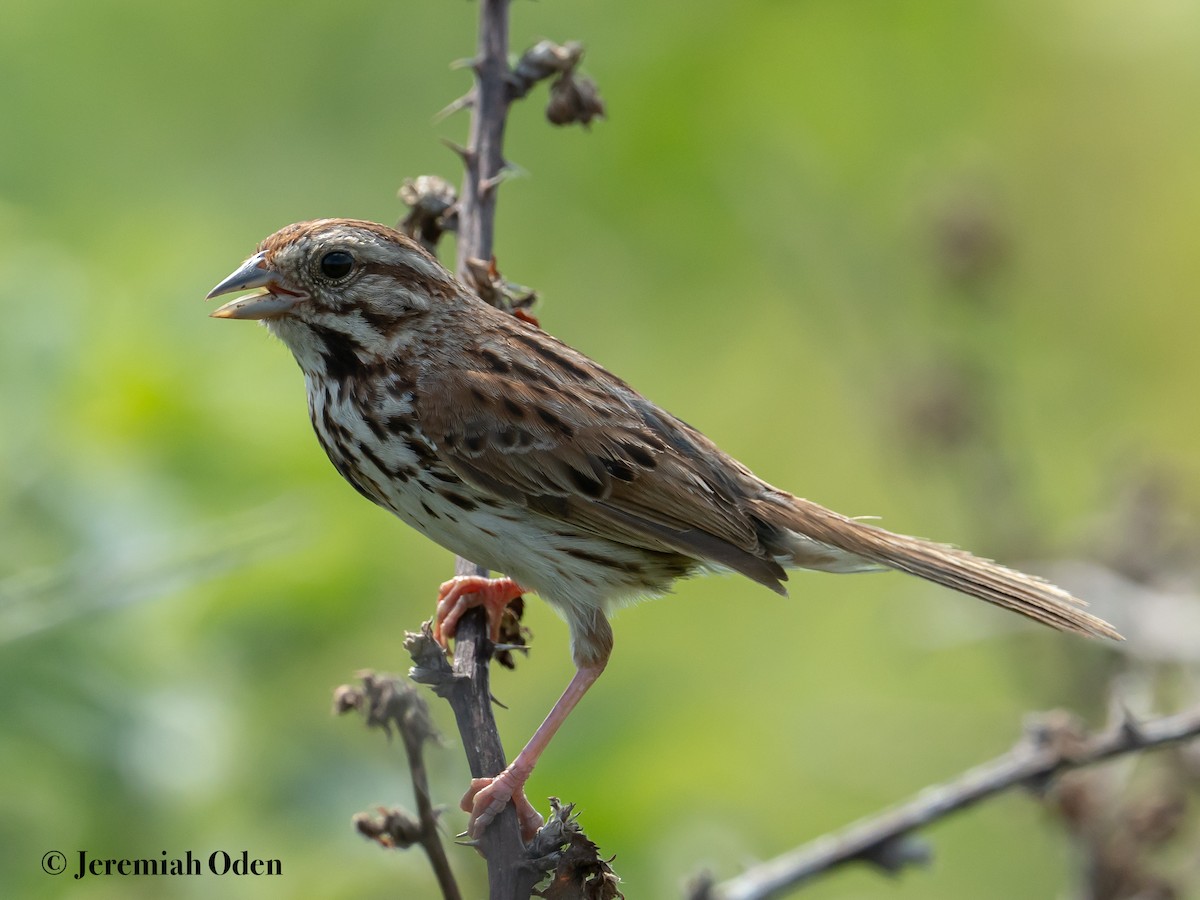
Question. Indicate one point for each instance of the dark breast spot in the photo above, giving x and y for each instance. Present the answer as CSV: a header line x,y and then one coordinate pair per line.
x,y
339,353
418,448
460,501
333,428
378,430
399,425
372,456
348,468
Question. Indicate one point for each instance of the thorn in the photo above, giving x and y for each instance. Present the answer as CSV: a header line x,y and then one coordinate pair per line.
x,y
488,185
507,171
464,153
466,62
467,99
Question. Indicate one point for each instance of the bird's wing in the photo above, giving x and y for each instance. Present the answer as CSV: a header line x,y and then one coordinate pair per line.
x,y
536,423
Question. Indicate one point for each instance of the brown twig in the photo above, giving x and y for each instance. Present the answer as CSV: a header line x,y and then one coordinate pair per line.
x,y
1049,749
483,156
511,876
465,685
388,702
483,159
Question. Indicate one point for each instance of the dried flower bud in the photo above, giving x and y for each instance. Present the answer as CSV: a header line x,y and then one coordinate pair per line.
x,y
484,278
345,698
389,702
513,635
579,872
391,828
574,98
433,209
543,59
969,239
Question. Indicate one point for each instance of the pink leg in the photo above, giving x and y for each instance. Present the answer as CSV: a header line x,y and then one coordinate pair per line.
x,y
486,797
464,592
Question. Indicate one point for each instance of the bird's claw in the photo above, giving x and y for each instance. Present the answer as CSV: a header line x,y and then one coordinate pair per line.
x,y
486,798
464,592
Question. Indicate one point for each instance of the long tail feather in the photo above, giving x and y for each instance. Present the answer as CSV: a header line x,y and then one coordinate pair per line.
x,y
956,569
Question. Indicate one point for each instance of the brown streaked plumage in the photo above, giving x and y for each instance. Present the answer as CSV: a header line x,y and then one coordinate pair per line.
x,y
512,449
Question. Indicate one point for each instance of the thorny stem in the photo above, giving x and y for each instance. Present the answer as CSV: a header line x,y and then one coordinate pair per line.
x,y
501,844
484,158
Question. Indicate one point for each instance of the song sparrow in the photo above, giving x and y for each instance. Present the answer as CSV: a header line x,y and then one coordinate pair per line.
x,y
510,448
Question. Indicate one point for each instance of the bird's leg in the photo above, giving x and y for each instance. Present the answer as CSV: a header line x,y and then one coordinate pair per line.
x,y
464,592
486,797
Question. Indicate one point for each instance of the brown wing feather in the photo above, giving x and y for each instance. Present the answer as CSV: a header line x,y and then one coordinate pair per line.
x,y
615,464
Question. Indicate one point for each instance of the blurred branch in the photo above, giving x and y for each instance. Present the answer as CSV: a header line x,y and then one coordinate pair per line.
x,y
1054,743
387,703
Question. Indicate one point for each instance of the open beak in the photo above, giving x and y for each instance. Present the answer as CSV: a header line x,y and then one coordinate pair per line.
x,y
274,300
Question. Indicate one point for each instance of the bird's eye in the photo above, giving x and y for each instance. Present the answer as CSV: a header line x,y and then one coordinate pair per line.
x,y
336,264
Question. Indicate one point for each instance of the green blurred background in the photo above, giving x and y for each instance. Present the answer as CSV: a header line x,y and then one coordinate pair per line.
x,y
932,261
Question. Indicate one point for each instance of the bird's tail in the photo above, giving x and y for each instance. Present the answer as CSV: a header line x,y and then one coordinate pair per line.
x,y
861,545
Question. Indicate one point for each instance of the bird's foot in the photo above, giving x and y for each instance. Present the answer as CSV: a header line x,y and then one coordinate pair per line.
x,y
464,592
486,798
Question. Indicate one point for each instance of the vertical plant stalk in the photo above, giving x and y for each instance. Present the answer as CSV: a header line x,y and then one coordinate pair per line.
x,y
483,158
431,841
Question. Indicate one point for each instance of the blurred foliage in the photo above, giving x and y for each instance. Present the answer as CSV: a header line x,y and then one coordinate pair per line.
x,y
934,261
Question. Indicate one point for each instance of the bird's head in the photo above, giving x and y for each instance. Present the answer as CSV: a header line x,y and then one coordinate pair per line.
x,y
340,280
